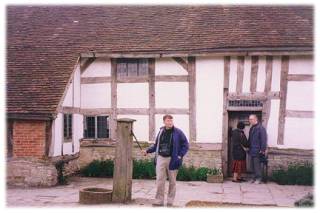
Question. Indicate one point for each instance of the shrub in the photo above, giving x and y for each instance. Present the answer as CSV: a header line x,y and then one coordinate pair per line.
x,y
98,168
296,174
145,169
306,201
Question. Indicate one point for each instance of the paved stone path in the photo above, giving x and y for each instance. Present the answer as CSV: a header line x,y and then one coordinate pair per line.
x,y
143,192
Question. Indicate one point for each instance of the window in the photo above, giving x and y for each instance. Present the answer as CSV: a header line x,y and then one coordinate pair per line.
x,y
67,127
130,67
245,103
96,127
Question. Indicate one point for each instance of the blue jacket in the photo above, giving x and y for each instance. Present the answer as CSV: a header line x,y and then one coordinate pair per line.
x,y
180,147
257,140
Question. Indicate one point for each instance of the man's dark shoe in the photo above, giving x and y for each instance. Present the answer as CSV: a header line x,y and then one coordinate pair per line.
x,y
157,204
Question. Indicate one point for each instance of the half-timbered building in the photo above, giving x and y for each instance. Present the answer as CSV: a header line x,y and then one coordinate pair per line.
x,y
72,71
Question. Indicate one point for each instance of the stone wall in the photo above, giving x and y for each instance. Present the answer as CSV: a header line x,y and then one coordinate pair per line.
x,y
283,157
31,172
199,155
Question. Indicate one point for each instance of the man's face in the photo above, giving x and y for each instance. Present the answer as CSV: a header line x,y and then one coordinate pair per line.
x,y
168,123
253,120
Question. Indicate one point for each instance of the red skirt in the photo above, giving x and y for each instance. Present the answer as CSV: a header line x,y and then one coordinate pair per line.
x,y
239,166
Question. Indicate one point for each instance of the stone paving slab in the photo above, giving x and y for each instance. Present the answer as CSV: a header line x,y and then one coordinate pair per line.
x,y
143,192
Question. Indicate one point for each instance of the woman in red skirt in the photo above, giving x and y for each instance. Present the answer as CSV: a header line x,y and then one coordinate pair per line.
x,y
239,141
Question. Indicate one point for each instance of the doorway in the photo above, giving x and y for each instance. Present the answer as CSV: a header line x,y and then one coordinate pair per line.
x,y
234,118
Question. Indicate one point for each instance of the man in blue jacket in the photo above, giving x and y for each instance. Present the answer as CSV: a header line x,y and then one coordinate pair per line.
x,y
170,146
258,146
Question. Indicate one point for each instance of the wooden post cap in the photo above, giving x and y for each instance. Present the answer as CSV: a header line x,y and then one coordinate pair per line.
x,y
126,120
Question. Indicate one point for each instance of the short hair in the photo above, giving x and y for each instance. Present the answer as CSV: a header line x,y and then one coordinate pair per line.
x,y
167,116
256,116
240,125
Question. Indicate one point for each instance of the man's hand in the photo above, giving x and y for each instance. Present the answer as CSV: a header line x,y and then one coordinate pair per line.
x,y
144,152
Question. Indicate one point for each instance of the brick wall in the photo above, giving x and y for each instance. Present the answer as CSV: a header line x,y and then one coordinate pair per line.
x,y
29,138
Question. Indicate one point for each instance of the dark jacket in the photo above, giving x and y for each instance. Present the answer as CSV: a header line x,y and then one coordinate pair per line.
x,y
257,140
239,140
179,148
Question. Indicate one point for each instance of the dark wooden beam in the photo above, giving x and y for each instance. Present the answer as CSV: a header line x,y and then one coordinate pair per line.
x,y
267,89
171,111
95,80
240,71
192,98
298,77
299,114
283,98
182,62
224,148
254,73
152,101
85,63
172,78
113,120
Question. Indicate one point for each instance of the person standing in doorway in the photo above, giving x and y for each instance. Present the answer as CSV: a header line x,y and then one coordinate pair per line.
x,y
258,146
170,146
239,142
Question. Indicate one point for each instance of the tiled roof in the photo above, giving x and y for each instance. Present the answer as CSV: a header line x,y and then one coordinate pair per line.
x,y
43,43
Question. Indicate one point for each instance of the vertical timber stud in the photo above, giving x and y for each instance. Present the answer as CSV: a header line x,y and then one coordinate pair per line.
x,y
151,99
113,123
283,97
224,151
254,73
122,178
267,89
192,98
240,71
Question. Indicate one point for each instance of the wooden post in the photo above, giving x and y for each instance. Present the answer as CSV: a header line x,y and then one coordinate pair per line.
x,y
122,177
225,118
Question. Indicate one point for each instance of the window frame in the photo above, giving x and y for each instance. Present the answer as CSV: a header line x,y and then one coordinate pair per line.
x,y
96,126
66,118
138,72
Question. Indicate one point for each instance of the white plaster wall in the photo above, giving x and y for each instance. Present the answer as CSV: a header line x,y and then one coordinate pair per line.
x,y
96,95
261,77
299,133
272,128
69,96
180,121
301,65
246,74
172,94
233,74
57,136
276,74
67,148
140,126
209,99
168,66
300,95
133,95
101,67
77,131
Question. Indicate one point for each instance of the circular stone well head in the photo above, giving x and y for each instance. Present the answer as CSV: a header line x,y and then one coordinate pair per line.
x,y
95,195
